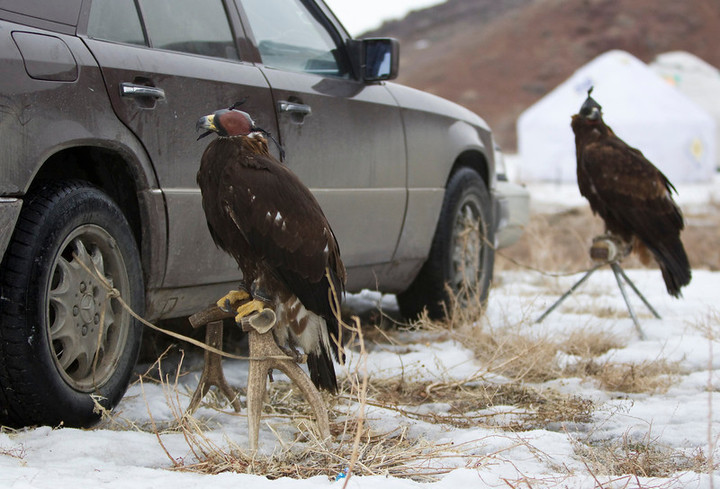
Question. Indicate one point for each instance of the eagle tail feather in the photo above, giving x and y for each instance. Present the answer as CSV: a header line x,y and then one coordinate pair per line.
x,y
322,370
674,264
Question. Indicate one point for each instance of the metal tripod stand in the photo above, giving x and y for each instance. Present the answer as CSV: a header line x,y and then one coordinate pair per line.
x,y
608,250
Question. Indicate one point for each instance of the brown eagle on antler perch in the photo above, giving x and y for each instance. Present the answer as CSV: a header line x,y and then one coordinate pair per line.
x,y
260,213
630,194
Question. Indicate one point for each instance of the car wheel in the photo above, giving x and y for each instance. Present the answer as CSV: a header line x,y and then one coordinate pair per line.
x,y
65,342
461,257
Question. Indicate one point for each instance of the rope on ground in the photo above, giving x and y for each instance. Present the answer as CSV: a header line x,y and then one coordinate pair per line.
x,y
113,293
538,270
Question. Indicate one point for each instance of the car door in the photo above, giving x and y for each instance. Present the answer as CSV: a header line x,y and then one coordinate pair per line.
x,y
166,63
343,138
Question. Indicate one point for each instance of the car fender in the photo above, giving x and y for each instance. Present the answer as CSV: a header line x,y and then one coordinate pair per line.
x,y
440,135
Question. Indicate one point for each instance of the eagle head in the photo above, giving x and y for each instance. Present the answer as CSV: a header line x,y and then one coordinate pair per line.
x,y
590,109
226,123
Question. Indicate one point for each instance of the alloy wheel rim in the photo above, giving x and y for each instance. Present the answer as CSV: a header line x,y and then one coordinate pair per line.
x,y
87,329
467,247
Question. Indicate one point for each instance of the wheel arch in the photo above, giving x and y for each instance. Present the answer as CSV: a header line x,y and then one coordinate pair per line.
x,y
126,181
474,160
477,161
103,168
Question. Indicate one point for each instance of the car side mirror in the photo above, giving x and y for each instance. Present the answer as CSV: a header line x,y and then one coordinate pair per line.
x,y
376,59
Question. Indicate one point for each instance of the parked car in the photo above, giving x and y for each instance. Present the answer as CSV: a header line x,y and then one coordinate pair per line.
x,y
98,102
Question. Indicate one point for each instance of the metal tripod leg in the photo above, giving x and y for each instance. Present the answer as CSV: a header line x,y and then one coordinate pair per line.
x,y
619,277
612,250
566,294
637,291
630,309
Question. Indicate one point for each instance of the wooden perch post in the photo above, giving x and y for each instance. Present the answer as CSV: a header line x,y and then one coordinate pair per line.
x,y
265,356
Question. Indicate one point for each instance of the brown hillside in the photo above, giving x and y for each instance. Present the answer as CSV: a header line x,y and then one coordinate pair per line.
x,y
497,57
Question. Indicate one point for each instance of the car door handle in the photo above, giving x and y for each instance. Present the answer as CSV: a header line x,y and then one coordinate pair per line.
x,y
295,108
133,90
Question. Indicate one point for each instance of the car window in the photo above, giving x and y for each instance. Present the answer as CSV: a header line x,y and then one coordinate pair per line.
x,y
290,37
115,20
190,26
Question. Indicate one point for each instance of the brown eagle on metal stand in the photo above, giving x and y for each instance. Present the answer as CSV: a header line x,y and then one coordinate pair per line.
x,y
630,194
260,213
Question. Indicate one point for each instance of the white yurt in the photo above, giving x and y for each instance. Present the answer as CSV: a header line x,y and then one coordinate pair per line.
x,y
699,80
643,109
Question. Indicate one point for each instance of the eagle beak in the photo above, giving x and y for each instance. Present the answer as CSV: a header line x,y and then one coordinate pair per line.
x,y
206,122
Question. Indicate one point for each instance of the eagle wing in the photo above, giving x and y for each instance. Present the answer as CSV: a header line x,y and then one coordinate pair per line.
x,y
628,191
286,228
635,200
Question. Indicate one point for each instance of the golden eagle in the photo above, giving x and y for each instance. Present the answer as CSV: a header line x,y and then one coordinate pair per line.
x,y
630,194
260,213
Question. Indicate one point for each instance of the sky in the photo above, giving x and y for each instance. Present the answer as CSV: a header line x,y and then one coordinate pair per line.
x,y
358,17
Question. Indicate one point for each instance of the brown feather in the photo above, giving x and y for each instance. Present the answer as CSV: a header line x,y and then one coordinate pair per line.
x,y
632,196
263,215
642,252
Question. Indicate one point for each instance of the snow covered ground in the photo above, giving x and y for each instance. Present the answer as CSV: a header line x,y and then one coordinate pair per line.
x,y
684,418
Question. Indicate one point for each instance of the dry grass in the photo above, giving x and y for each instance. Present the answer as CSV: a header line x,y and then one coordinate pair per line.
x,y
510,350
560,242
645,457
393,453
525,355
472,404
18,452
387,454
709,326
520,357
355,447
512,406
552,242
506,394
650,377
588,343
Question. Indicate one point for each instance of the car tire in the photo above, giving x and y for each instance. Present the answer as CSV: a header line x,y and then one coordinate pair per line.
x,y
460,262
58,357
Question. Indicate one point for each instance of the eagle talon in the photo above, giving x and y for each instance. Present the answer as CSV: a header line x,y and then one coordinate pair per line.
x,y
226,302
248,308
225,306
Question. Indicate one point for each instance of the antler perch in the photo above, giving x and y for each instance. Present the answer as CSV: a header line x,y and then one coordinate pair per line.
x,y
212,373
265,355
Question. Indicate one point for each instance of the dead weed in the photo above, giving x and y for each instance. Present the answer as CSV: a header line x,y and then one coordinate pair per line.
x,y
511,406
559,242
652,377
645,457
